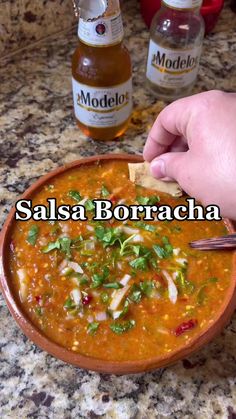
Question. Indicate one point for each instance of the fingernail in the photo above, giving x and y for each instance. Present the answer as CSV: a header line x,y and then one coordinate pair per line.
x,y
158,168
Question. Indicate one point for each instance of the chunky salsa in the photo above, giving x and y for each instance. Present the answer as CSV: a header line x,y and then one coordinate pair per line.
x,y
115,290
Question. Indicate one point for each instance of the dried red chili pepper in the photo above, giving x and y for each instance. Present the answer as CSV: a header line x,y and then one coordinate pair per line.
x,y
113,199
185,326
38,298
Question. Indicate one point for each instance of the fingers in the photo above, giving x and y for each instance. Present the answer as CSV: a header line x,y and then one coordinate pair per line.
x,y
170,165
173,122
180,144
158,140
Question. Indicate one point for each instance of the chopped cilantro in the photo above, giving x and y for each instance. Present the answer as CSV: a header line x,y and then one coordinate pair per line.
x,y
69,304
150,200
125,310
92,328
114,285
163,252
140,250
63,244
108,236
212,280
99,279
104,297
89,205
176,229
33,234
120,328
104,192
160,251
75,195
38,311
201,296
83,281
125,246
52,246
135,294
144,226
147,287
184,285
140,263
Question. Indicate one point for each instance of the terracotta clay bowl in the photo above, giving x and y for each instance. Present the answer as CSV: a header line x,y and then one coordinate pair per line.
x,y
34,334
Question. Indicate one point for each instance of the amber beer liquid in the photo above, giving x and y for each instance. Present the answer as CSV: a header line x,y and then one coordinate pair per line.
x,y
102,75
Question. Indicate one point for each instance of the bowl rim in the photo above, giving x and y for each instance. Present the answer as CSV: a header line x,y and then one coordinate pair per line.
x,y
88,362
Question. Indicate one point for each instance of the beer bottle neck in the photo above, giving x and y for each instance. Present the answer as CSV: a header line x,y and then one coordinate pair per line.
x,y
183,5
104,31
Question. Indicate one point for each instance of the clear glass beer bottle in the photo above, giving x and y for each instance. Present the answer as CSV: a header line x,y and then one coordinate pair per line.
x,y
101,72
177,32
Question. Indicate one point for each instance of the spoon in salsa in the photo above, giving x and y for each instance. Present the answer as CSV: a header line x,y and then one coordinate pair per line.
x,y
216,243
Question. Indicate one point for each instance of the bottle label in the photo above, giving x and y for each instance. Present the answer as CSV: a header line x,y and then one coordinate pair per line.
x,y
172,68
102,107
102,32
184,4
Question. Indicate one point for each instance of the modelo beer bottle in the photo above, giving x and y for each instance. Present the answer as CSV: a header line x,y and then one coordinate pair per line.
x,y
177,32
101,71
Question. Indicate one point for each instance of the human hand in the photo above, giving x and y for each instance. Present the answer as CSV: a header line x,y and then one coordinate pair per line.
x,y
194,142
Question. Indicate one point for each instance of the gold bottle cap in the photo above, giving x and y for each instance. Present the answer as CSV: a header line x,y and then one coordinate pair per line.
x,y
90,10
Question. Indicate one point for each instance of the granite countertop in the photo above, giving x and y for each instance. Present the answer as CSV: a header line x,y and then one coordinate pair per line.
x,y
38,133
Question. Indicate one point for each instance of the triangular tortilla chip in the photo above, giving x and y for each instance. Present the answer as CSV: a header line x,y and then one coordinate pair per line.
x,y
139,174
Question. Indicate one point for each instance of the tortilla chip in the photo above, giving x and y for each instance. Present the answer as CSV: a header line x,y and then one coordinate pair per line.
x,y
139,174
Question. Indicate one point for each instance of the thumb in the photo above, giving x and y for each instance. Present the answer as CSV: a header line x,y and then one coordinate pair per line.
x,y
170,165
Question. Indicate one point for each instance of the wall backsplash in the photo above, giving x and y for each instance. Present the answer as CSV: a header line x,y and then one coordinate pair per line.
x,y
23,21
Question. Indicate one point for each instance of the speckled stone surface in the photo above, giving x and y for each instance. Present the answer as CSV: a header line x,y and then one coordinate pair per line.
x,y
24,22
37,133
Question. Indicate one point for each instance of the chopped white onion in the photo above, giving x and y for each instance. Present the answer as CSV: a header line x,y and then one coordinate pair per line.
x,y
117,297
90,319
66,271
62,265
47,277
119,265
175,275
22,274
137,238
181,261
76,295
82,202
176,251
124,281
173,292
130,230
116,314
121,202
23,280
76,267
101,316
163,331
89,228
